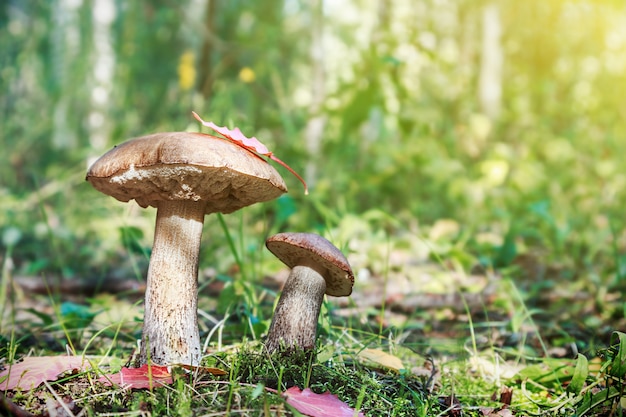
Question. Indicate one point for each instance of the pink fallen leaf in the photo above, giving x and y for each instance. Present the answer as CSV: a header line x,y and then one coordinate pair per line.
x,y
34,370
318,405
143,377
496,412
252,144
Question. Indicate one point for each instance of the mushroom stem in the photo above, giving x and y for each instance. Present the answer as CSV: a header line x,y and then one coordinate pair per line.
x,y
294,324
170,331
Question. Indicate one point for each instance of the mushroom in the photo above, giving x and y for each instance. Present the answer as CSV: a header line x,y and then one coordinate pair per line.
x,y
318,268
184,175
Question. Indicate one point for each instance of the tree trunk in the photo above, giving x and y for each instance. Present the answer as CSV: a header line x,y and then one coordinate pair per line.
x,y
317,119
490,81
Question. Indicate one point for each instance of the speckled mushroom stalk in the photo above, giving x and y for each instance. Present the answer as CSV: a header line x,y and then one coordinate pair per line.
x,y
185,176
318,268
170,332
294,323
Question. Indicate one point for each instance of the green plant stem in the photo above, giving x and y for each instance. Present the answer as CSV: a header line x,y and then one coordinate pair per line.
x,y
231,243
528,314
4,292
383,302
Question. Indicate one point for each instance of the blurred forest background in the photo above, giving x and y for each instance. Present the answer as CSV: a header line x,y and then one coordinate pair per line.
x,y
496,129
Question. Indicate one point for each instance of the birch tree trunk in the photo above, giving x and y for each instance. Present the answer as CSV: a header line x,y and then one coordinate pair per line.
x,y
490,78
317,119
103,15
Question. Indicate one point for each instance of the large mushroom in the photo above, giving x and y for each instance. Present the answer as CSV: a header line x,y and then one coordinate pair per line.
x,y
318,268
185,176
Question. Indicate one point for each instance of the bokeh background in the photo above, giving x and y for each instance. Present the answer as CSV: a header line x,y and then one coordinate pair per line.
x,y
497,129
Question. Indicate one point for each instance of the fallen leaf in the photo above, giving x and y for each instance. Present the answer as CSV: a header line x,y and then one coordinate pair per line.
x,y
318,405
496,412
506,395
378,357
204,369
252,144
143,377
492,368
34,370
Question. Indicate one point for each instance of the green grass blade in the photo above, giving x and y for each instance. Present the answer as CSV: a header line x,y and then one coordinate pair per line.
x,y
618,368
580,375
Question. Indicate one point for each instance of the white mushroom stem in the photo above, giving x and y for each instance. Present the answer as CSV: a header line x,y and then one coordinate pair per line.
x,y
170,329
294,324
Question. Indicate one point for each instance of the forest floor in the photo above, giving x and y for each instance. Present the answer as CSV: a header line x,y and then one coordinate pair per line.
x,y
422,337
476,343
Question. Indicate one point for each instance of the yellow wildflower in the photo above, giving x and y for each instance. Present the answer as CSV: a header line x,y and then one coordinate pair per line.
x,y
186,71
247,75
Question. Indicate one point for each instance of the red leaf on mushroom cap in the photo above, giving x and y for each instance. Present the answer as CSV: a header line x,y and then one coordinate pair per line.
x,y
237,136
318,405
252,144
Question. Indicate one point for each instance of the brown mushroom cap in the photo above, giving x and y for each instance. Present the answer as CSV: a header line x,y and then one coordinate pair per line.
x,y
313,250
186,166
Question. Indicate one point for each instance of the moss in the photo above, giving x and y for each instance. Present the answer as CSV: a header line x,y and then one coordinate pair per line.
x,y
379,393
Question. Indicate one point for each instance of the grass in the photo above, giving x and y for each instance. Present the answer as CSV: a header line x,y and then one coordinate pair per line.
x,y
500,328
376,391
427,385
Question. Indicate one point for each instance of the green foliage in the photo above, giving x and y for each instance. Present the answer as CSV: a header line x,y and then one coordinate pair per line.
x,y
76,316
535,194
404,132
575,386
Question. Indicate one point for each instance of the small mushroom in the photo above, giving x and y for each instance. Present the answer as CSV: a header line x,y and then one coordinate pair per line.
x,y
185,176
318,268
